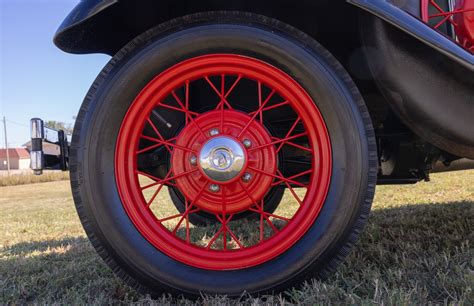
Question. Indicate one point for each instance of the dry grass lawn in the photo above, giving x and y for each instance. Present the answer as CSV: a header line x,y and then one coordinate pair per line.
x,y
417,249
30,178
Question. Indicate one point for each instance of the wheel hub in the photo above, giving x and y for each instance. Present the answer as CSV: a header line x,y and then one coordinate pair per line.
x,y
222,159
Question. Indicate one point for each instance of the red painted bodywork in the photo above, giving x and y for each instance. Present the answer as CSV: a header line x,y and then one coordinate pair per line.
x,y
461,19
465,23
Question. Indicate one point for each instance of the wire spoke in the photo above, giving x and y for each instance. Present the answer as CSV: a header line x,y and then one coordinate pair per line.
x,y
188,115
222,104
279,177
155,129
178,109
270,215
289,133
158,144
279,141
448,18
451,13
295,145
150,148
295,177
188,209
165,143
231,233
262,213
293,192
214,238
188,235
300,161
166,180
177,216
159,188
223,96
224,224
443,21
239,77
225,229
152,178
285,140
274,228
262,105
271,107
260,113
262,224
170,218
186,103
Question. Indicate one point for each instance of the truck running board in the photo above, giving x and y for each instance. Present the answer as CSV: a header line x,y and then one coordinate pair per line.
x,y
44,160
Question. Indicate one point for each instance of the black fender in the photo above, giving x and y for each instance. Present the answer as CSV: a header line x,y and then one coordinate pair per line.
x,y
85,30
427,78
104,26
397,15
94,26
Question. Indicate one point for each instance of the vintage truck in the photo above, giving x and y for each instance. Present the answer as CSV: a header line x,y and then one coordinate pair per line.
x,y
234,146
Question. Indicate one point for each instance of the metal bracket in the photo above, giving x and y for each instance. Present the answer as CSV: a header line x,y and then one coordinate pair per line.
x,y
41,160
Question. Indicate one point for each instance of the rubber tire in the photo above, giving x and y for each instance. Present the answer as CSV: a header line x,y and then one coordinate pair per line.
x,y
352,186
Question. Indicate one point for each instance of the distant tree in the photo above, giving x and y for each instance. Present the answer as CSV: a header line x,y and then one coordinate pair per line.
x,y
58,125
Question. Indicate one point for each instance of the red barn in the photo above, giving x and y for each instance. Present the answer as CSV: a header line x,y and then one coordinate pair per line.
x,y
19,159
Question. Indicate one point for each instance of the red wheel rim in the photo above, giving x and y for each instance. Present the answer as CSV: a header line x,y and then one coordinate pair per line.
x,y
239,131
460,17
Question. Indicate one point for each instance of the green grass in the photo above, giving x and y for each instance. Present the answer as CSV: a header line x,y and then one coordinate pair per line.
x,y
22,179
417,249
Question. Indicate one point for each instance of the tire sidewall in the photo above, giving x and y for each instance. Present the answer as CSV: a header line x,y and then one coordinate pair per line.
x,y
95,142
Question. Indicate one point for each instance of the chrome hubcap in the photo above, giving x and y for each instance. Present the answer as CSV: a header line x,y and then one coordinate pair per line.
x,y
222,159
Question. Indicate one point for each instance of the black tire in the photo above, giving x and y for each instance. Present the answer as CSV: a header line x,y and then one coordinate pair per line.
x,y
352,185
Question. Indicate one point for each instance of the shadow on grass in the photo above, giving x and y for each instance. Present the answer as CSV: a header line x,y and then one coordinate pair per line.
x,y
26,248
422,251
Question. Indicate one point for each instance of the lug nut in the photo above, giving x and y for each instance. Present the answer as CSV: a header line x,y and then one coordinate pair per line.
x,y
246,177
214,132
193,160
214,188
247,143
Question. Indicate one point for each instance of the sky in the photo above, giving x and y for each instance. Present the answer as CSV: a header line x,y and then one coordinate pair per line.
x,y
36,78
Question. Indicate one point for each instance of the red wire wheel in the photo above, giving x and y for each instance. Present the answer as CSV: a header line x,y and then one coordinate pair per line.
x,y
223,160
460,17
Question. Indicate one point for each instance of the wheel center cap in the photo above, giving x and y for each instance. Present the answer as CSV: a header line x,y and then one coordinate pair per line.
x,y
222,158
